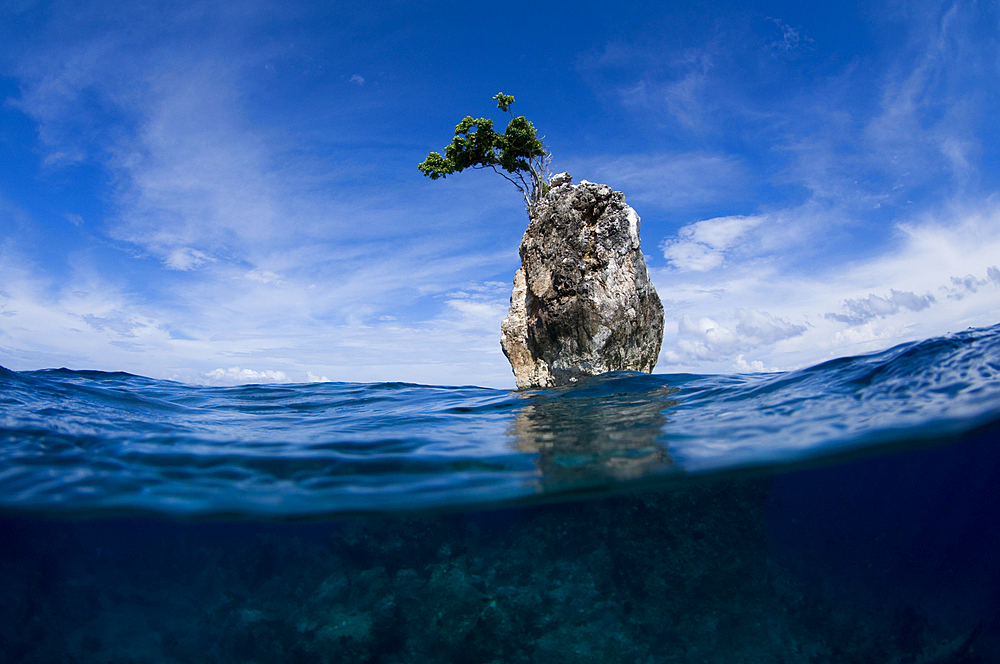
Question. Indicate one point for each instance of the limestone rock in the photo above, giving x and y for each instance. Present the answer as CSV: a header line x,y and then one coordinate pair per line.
x,y
560,179
582,302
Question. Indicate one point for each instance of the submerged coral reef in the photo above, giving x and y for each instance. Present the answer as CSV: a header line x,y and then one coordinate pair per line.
x,y
684,574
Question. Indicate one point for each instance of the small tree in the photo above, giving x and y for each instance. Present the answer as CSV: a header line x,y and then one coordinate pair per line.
x,y
518,152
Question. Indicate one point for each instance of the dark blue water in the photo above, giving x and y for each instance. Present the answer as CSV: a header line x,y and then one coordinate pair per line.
x,y
87,441
847,512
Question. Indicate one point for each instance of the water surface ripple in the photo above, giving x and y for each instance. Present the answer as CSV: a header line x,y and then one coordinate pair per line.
x,y
76,442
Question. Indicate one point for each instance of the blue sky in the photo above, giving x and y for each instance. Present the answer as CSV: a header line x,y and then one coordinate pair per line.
x,y
221,192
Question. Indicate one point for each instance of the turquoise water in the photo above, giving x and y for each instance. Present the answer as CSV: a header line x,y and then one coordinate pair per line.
x,y
846,512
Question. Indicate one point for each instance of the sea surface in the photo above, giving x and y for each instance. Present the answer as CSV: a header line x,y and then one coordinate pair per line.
x,y
95,442
842,512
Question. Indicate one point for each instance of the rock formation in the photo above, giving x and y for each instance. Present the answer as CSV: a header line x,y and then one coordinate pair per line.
x,y
582,302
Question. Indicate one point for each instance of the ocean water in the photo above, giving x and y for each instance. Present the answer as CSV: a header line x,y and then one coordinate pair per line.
x,y
847,512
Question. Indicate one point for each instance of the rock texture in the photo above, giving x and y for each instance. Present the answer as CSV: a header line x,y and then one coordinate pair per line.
x,y
582,302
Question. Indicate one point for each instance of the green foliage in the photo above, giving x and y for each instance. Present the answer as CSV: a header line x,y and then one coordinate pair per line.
x,y
517,151
503,101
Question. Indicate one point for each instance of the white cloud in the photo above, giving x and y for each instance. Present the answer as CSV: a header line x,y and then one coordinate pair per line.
x,y
862,310
313,378
761,328
237,376
963,286
358,79
200,185
793,320
82,322
186,258
743,330
924,133
684,95
691,255
478,310
721,232
263,276
702,246
676,84
792,39
230,330
754,366
63,158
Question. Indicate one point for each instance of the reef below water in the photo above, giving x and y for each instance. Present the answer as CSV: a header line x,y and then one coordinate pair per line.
x,y
841,513
890,559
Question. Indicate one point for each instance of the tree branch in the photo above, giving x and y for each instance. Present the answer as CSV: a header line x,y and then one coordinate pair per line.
x,y
517,154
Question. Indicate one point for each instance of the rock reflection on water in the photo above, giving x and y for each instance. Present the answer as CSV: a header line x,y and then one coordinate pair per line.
x,y
600,431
